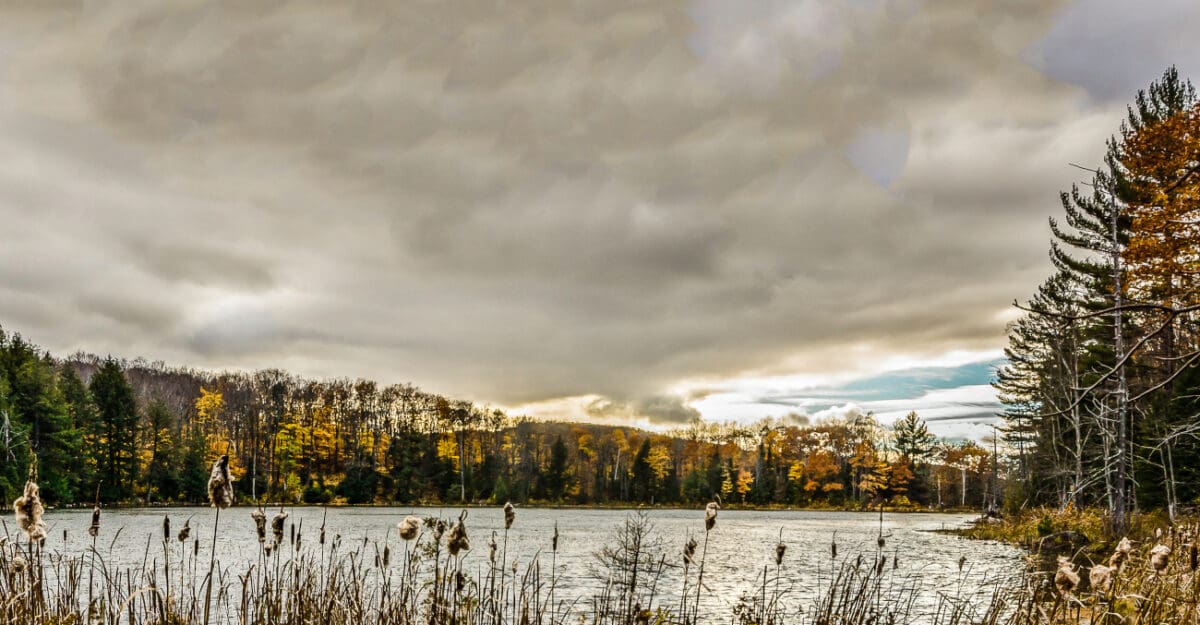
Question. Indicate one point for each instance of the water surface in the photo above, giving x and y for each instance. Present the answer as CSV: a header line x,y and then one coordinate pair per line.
x,y
739,547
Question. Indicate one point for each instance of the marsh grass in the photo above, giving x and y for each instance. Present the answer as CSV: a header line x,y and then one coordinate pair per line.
x,y
642,578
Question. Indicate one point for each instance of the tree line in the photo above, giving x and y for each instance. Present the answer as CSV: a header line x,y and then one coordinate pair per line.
x,y
1101,387
143,433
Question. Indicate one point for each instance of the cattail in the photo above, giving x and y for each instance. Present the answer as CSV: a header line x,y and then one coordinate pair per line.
x,y
28,509
196,548
833,547
1101,578
881,542
689,551
780,549
277,525
220,486
321,535
387,555
456,540
186,531
267,547
460,580
94,528
18,564
879,565
710,515
1159,558
260,525
640,616
409,527
439,529
492,548
1065,579
166,529
514,566
962,560
510,515
554,539
1121,554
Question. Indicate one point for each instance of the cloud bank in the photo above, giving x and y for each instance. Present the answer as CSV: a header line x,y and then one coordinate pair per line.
x,y
539,201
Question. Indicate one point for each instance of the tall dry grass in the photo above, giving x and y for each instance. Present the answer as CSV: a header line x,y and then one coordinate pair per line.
x,y
311,575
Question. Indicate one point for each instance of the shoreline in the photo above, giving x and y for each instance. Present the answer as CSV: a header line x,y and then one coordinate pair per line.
x,y
529,506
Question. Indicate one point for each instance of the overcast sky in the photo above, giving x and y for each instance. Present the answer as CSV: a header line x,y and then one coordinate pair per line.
x,y
624,211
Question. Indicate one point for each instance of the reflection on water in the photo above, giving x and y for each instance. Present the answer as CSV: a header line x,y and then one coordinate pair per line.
x,y
739,547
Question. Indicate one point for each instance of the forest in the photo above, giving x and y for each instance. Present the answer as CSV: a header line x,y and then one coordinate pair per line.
x,y
1101,383
142,433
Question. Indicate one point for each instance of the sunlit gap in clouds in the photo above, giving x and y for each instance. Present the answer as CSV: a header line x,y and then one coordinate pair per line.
x,y
951,391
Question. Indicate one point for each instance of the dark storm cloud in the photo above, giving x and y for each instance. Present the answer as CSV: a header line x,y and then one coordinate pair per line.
x,y
537,201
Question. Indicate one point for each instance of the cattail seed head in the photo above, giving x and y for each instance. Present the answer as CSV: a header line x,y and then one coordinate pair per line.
x,y
94,528
881,542
260,525
1121,554
267,548
456,540
554,539
962,560
196,548
28,509
409,528
166,529
387,555
689,551
510,515
439,529
492,548
710,515
833,548
277,525
220,486
185,531
1101,578
1065,579
1159,557
780,549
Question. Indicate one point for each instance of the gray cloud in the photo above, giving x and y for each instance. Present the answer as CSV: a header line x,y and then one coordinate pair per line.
x,y
1110,47
540,201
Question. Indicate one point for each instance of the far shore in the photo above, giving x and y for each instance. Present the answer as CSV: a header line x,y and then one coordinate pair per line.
x,y
528,506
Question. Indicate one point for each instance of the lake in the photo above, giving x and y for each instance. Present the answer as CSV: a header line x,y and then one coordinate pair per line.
x,y
739,547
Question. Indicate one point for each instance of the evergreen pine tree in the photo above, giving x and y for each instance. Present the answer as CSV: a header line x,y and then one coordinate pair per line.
x,y
115,431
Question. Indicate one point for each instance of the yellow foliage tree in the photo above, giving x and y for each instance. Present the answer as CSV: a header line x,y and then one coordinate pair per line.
x,y
1162,162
